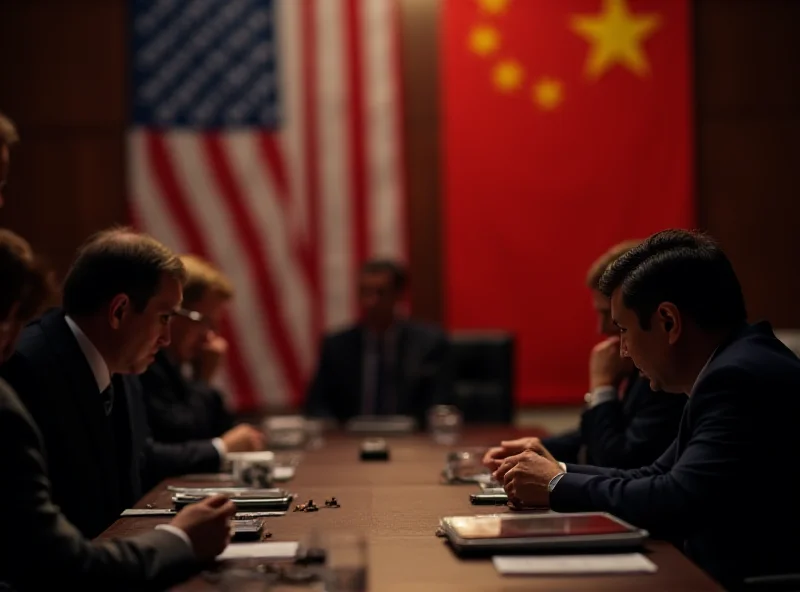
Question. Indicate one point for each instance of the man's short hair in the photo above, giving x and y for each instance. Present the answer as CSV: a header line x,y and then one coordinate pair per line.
x,y
201,278
395,269
8,131
23,277
603,261
118,261
685,268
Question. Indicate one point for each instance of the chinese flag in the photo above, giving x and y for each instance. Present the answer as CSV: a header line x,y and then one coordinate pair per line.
x,y
566,129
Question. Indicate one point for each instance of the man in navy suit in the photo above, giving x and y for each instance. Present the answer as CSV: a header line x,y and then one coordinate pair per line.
x,y
385,364
73,370
723,488
625,425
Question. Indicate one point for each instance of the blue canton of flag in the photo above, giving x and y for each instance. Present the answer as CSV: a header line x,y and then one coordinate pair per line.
x,y
204,64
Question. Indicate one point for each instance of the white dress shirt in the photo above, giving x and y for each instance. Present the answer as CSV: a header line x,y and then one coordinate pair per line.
x,y
103,378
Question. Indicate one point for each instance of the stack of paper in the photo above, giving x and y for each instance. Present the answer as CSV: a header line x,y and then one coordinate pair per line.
x,y
260,551
625,563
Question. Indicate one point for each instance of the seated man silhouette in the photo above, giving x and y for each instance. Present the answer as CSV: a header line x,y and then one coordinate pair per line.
x,y
74,369
181,403
385,364
625,424
724,486
39,546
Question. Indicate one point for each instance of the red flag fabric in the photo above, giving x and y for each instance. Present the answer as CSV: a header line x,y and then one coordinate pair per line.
x,y
566,129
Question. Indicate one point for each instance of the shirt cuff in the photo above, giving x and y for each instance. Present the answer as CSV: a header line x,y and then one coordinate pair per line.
x,y
553,482
563,466
602,394
178,533
222,450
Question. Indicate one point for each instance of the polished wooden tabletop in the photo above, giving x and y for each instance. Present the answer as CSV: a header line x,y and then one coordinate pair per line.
x,y
397,505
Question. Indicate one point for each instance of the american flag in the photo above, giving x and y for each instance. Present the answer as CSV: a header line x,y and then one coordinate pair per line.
x,y
266,137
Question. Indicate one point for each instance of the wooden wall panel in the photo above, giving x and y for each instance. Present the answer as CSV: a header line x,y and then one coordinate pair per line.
x,y
63,82
419,51
748,145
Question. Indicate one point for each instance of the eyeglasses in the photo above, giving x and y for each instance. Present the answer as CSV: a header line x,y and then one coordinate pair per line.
x,y
195,316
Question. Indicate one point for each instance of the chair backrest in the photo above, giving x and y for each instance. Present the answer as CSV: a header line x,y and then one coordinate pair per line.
x,y
483,375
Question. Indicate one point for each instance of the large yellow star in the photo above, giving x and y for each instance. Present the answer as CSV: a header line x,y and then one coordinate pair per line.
x,y
616,36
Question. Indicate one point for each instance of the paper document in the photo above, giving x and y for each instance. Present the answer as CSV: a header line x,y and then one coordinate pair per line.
x,y
574,564
283,473
260,551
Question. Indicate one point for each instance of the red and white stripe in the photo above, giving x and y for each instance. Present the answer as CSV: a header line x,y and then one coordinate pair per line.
x,y
289,216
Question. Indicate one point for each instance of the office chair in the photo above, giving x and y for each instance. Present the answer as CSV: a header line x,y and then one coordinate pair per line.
x,y
483,375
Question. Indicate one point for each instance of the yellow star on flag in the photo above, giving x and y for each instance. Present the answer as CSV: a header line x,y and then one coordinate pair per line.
x,y
548,93
616,36
484,40
507,75
494,6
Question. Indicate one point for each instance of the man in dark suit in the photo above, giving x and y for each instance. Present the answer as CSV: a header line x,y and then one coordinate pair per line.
x,y
119,298
625,424
723,486
385,364
181,402
38,545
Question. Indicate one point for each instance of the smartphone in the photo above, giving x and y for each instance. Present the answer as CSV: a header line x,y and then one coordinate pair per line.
x,y
489,499
374,449
247,529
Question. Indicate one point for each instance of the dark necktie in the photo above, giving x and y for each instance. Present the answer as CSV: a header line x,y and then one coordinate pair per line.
x,y
382,388
108,399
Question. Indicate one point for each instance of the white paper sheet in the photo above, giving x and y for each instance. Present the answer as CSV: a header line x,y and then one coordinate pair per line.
x,y
260,551
283,473
574,564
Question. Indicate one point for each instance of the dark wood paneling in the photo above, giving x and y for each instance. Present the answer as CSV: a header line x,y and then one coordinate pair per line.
x,y
748,145
63,61
63,82
419,51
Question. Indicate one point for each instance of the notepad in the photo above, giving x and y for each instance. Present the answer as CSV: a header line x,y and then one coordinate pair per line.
x,y
260,551
548,565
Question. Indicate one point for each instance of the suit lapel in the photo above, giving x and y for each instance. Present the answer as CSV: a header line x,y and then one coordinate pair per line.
x,y
355,371
172,373
82,387
400,368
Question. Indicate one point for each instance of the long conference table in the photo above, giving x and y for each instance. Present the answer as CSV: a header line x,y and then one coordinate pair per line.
x,y
397,504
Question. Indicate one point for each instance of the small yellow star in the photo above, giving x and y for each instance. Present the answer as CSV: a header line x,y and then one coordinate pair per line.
x,y
494,6
548,93
616,36
484,40
507,75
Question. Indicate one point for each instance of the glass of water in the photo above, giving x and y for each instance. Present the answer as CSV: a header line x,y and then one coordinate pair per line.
x,y
445,423
346,561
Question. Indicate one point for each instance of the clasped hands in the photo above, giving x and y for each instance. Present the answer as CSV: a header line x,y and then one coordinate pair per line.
x,y
525,468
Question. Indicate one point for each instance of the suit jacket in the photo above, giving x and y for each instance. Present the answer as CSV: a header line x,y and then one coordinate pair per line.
x,y
421,375
39,545
179,409
92,486
723,486
624,434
